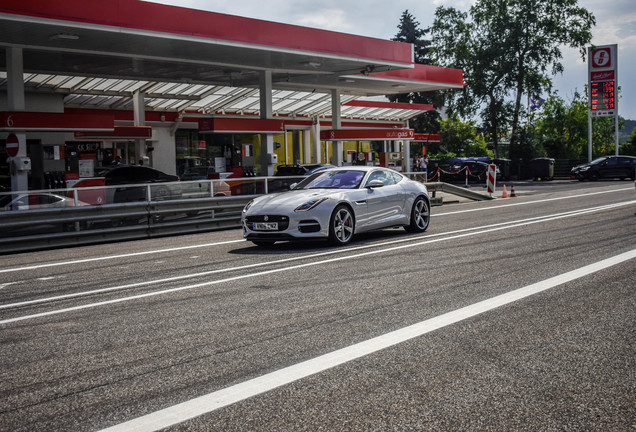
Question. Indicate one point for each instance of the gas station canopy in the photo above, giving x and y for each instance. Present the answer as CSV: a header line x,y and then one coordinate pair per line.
x,y
99,53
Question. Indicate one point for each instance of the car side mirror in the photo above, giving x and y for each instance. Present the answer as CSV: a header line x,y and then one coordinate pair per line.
x,y
375,184
293,186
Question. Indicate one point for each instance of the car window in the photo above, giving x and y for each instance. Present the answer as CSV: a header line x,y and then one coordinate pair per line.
x,y
117,175
49,199
612,161
385,176
340,179
132,174
396,177
286,170
143,174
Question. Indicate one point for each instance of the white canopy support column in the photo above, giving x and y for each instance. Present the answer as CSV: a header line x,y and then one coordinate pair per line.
x,y
139,107
316,157
15,102
336,123
267,155
306,146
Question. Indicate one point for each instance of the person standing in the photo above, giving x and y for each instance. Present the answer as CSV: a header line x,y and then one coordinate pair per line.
x,y
424,166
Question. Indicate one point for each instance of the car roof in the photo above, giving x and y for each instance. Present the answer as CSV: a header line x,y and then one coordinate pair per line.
x,y
357,168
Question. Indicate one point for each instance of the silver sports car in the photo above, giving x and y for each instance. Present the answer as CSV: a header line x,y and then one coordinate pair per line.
x,y
337,203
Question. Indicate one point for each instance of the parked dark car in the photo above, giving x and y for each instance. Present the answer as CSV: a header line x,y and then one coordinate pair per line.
x,y
607,167
301,170
198,173
138,175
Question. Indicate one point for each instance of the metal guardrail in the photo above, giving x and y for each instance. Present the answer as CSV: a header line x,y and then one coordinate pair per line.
x,y
193,208
437,186
457,190
28,230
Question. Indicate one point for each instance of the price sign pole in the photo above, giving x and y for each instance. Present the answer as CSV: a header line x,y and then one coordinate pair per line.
x,y
602,88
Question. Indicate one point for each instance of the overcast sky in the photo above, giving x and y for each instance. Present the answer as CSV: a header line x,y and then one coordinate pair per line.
x,y
615,24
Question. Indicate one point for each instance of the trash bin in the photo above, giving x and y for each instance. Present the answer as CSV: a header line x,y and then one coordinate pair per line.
x,y
504,167
542,168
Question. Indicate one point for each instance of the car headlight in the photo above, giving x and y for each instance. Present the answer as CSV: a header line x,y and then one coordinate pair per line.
x,y
309,205
247,206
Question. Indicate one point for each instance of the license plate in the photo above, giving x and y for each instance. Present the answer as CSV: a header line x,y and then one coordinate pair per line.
x,y
265,226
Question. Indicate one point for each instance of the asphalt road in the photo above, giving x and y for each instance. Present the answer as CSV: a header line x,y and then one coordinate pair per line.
x,y
513,314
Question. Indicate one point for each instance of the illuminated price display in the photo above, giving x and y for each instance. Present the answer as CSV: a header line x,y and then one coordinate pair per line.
x,y
603,96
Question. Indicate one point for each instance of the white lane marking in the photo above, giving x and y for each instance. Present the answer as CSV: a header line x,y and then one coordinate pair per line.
x,y
213,401
81,261
521,203
102,258
295,258
427,240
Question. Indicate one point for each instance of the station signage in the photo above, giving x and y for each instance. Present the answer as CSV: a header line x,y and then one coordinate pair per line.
x,y
119,132
367,134
602,96
55,122
425,137
241,125
602,80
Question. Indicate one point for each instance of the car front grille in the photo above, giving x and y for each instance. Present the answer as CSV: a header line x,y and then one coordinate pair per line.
x,y
283,221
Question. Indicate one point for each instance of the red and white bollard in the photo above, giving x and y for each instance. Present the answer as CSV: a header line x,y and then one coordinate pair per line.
x,y
491,178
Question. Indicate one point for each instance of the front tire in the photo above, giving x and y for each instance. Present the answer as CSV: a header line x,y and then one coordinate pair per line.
x,y
420,216
341,226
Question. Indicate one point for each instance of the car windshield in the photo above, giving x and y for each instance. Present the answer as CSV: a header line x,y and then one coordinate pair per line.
x,y
338,179
598,161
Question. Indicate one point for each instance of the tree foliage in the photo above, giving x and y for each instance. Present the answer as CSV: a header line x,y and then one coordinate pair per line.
x,y
462,138
507,48
629,147
560,129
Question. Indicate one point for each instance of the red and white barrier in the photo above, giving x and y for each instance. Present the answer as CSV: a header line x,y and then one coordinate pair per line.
x,y
491,178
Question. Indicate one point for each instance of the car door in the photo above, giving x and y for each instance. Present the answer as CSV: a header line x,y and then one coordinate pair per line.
x,y
625,167
609,168
385,204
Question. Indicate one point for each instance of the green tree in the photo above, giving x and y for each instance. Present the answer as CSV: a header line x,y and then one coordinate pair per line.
x,y
507,48
462,138
560,129
629,148
409,31
604,133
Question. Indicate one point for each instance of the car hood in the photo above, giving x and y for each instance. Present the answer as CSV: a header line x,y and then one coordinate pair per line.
x,y
292,199
585,165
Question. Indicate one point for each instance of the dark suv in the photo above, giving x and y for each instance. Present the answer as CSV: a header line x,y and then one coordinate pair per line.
x,y
621,167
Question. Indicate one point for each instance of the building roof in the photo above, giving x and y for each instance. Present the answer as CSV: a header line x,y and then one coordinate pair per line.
x,y
98,53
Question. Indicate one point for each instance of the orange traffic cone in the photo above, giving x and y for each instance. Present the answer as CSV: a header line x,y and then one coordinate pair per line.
x,y
505,193
512,191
